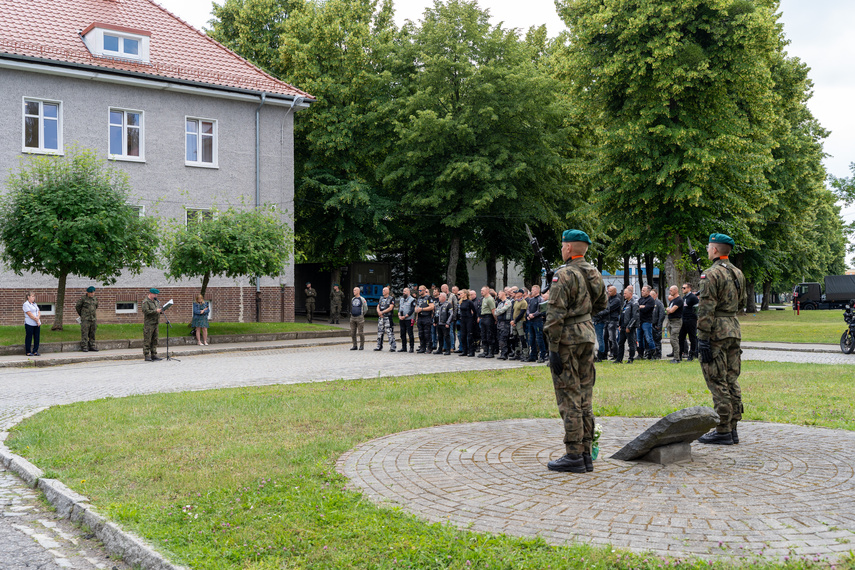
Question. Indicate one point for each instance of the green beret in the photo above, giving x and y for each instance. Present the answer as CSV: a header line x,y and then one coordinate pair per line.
x,y
721,238
308,283
576,235
155,291
90,289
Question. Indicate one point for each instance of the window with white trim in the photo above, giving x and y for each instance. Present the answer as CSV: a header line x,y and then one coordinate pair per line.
x,y
117,42
121,45
197,215
139,210
200,142
46,309
126,135
126,307
42,126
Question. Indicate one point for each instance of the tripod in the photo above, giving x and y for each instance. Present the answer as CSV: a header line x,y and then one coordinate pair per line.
x,y
168,326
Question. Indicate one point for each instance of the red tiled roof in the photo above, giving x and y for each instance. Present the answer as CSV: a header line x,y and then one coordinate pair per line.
x,y
51,30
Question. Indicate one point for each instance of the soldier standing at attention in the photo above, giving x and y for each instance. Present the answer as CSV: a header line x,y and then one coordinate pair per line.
x,y
336,301
151,319
310,302
86,307
385,306
723,297
358,308
577,291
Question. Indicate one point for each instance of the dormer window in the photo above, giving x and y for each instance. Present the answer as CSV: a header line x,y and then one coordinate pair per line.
x,y
106,40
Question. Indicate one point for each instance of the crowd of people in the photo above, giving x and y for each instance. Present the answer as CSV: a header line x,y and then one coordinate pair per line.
x,y
508,324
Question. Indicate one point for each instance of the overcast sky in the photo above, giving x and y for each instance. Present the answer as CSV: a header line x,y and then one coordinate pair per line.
x,y
817,29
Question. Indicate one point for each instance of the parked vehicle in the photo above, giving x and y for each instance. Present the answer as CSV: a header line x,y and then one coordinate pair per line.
x,y
839,289
847,340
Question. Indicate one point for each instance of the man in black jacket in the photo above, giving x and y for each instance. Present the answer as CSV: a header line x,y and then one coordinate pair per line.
x,y
646,304
690,323
628,324
615,306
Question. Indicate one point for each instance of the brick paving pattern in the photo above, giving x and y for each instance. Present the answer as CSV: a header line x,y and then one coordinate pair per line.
x,y
26,390
783,491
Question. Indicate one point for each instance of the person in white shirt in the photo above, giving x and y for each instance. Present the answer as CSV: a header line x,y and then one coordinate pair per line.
x,y
32,325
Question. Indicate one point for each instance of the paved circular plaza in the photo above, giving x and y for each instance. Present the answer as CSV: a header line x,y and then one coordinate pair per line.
x,y
783,491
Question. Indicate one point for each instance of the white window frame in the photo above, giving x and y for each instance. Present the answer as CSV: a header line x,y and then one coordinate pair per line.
x,y
189,211
141,209
46,312
41,148
94,40
126,311
215,146
124,112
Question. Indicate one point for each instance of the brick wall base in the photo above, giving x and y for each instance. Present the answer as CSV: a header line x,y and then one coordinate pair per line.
x,y
228,304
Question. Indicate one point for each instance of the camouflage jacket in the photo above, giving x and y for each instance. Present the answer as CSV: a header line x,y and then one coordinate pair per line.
x,y
723,297
86,308
149,310
337,298
577,291
310,295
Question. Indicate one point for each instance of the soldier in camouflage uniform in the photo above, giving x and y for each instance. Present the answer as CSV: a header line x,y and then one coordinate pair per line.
x,y
336,301
385,306
577,291
723,297
311,294
87,307
151,319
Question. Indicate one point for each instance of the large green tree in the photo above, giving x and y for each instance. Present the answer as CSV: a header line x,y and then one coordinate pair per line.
x,y
682,97
233,243
479,134
71,215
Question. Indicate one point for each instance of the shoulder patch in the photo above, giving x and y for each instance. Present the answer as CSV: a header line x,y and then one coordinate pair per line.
x,y
703,275
555,279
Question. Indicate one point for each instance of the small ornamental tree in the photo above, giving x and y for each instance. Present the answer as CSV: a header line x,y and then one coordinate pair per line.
x,y
70,215
231,244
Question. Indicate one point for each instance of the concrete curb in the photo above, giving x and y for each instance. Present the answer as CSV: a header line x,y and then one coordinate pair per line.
x,y
118,542
813,349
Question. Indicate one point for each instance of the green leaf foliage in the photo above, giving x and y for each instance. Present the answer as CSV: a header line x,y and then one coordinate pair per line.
x,y
232,244
70,215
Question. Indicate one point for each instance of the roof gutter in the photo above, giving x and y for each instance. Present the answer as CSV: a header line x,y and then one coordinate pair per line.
x,y
129,78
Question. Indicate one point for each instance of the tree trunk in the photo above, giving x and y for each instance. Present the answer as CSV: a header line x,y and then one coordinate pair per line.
x,y
205,279
335,276
648,269
600,263
767,289
673,274
491,271
453,258
751,302
60,302
407,266
504,272
640,275
626,271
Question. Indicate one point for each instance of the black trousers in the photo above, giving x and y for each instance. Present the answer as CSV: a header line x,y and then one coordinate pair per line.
x,y
441,337
626,338
487,339
467,336
612,337
406,327
425,326
504,330
690,329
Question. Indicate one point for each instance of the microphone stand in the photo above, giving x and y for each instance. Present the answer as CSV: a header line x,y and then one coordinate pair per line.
x,y
168,326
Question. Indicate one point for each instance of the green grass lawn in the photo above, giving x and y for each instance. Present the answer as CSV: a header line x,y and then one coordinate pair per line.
x,y
824,327
10,335
245,478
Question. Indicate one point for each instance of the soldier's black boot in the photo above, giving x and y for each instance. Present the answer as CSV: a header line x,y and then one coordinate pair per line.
x,y
361,346
716,438
734,436
570,463
379,346
93,349
353,348
589,462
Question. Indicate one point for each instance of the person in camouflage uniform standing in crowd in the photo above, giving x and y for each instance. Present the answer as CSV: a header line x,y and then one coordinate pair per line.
x,y
151,315
87,307
577,291
311,294
336,302
385,306
723,297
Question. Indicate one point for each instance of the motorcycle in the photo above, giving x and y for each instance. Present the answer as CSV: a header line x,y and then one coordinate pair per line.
x,y
847,340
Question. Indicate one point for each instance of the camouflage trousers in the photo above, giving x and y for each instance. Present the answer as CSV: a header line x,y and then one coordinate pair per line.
x,y
310,311
674,326
384,328
574,388
87,334
149,343
722,376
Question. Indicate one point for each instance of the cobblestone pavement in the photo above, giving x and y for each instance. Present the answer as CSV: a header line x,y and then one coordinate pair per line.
x,y
26,390
783,491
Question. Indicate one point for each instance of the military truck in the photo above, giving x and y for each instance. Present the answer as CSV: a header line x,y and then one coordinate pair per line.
x,y
839,290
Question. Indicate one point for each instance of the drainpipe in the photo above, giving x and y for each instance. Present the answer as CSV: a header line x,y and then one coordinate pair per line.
x,y
258,194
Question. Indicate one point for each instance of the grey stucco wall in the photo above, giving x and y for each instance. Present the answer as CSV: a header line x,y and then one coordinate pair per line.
x,y
163,184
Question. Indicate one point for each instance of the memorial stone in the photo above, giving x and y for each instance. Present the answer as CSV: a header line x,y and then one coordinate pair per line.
x,y
683,426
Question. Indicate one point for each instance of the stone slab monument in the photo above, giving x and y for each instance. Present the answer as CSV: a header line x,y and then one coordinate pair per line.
x,y
669,439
